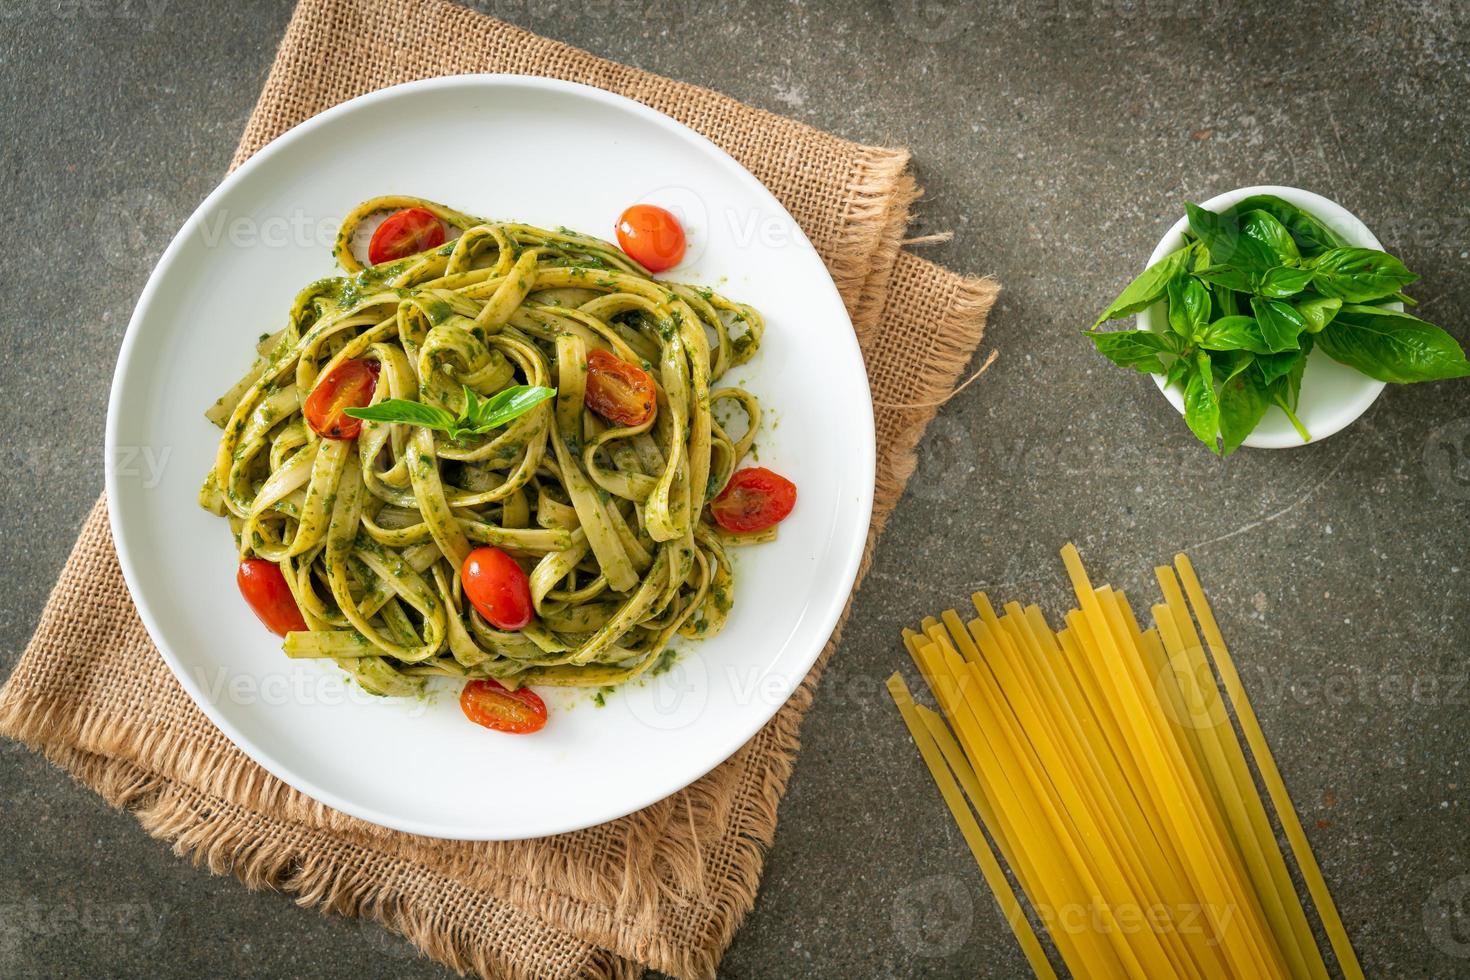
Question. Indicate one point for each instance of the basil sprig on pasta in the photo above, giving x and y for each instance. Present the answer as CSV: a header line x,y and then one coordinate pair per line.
x,y
476,418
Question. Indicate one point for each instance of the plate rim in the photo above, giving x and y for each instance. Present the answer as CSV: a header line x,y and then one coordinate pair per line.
x,y
849,557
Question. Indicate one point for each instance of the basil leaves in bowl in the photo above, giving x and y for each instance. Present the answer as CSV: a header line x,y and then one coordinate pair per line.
x,y
1271,317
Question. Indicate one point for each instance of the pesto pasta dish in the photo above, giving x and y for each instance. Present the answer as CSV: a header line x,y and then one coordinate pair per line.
x,y
494,452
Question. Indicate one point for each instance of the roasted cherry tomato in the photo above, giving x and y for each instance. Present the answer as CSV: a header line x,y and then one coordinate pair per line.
x,y
753,500
618,391
498,588
652,236
406,232
350,385
487,702
265,588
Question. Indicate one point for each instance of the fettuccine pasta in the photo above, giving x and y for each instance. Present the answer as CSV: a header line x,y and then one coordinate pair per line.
x,y
371,530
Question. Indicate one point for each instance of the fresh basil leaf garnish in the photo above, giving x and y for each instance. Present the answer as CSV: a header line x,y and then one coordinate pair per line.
x,y
1189,306
1228,363
1243,402
1149,287
1178,372
1137,349
1235,333
1225,303
1283,281
1201,405
403,410
1228,242
506,405
1391,346
1273,366
1285,391
1280,323
1359,275
1311,235
476,418
1231,278
1318,311
1272,234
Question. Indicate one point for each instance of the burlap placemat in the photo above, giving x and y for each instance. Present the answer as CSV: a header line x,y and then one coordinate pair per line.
x,y
663,888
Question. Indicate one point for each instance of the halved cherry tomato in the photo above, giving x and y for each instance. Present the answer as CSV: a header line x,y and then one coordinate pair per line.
x,y
265,588
406,232
498,588
753,500
618,391
487,702
652,236
350,385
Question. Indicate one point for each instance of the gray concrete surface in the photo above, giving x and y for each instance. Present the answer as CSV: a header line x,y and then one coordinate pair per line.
x,y
1056,140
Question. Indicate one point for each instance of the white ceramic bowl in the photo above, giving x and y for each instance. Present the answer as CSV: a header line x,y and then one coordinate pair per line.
x,y
1333,394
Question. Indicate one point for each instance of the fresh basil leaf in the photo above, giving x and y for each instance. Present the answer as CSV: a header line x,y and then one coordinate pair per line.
x,y
1137,349
1282,281
1227,241
1178,371
1189,306
1201,405
1273,366
1225,302
1285,393
506,405
1201,260
1405,298
1226,277
1149,287
1228,363
1391,346
1312,236
1293,381
471,412
1318,311
1280,323
1243,402
1235,333
403,410
1358,275
1264,228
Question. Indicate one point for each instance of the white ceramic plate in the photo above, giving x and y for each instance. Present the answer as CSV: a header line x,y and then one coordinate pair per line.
x,y
549,153
1333,394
